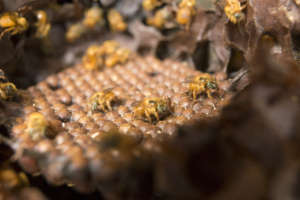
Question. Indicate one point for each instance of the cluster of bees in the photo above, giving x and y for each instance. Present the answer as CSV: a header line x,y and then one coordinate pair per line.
x,y
109,54
8,90
94,18
234,11
153,109
162,13
14,23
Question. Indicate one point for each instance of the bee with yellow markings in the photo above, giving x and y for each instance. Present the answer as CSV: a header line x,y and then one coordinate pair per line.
x,y
160,18
12,180
102,101
202,84
153,109
186,12
92,59
37,125
8,91
75,31
108,54
151,4
43,26
119,57
93,17
116,21
13,23
233,11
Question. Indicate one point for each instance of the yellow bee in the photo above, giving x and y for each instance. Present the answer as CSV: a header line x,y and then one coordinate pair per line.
x,y
13,23
186,12
187,4
116,21
102,101
233,11
92,59
160,18
203,83
119,57
110,46
108,54
75,31
42,24
151,4
10,179
153,109
37,125
7,91
92,17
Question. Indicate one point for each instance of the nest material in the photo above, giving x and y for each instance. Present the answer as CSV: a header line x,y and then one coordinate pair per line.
x,y
76,154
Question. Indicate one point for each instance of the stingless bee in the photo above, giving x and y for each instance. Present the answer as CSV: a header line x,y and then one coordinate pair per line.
x,y
151,4
92,59
119,57
8,91
102,101
116,21
233,11
92,17
108,54
75,31
186,12
153,109
37,125
12,180
203,83
13,23
43,26
160,18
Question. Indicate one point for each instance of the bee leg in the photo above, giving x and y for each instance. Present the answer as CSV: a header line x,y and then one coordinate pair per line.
x,y
209,94
108,105
148,116
194,95
103,107
5,31
2,95
156,116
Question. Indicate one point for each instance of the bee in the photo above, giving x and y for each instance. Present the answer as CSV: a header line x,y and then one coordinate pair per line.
x,y
187,4
110,46
119,57
151,4
153,109
160,18
37,125
108,54
92,59
92,17
75,31
8,91
233,11
13,23
11,180
102,101
186,12
43,26
203,83
116,21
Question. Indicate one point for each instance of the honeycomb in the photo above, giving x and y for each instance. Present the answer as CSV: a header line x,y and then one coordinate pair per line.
x,y
63,99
